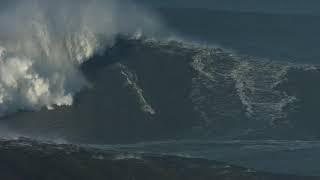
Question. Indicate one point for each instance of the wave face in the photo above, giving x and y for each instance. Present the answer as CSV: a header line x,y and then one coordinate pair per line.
x,y
42,44
181,98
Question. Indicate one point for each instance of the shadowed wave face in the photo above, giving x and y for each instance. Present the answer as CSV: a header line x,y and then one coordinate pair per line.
x,y
100,73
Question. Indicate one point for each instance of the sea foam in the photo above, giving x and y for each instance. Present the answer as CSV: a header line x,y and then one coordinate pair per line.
x,y
43,43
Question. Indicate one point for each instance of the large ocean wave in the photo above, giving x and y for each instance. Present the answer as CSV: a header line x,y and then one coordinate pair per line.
x,y
126,80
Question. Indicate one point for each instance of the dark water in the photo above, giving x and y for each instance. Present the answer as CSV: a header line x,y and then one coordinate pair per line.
x,y
278,36
252,103
270,6
35,160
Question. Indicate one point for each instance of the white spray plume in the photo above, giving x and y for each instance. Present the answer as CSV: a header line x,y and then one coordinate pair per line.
x,y
43,43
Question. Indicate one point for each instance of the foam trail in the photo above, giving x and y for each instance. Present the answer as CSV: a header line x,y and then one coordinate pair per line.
x,y
42,44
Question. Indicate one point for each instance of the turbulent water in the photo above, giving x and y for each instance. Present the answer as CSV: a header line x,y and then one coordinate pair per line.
x,y
99,79
43,44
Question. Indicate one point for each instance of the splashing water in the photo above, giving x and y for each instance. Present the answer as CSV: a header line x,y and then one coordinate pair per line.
x,y
42,45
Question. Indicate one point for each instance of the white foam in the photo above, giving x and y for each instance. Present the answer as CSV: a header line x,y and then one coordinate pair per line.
x,y
127,156
255,82
43,43
132,82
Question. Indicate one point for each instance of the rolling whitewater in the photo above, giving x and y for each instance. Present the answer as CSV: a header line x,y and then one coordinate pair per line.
x,y
136,90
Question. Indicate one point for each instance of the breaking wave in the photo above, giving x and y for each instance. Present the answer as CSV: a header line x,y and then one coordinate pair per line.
x,y
167,97
43,43
43,46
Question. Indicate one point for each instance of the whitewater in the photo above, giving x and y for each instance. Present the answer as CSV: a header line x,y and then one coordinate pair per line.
x,y
43,44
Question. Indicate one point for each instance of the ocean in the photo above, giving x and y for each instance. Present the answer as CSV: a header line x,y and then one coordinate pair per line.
x,y
159,90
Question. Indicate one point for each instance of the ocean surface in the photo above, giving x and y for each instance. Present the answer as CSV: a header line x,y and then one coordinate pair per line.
x,y
159,90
